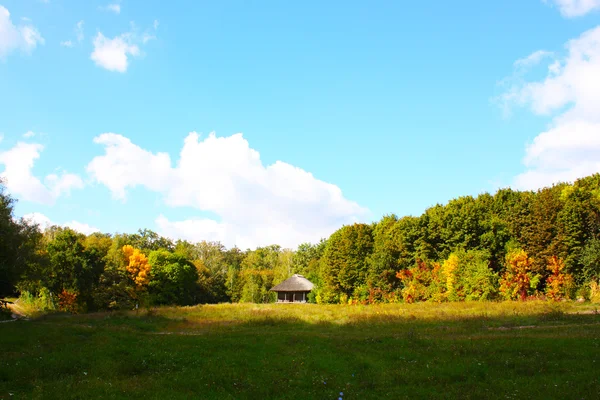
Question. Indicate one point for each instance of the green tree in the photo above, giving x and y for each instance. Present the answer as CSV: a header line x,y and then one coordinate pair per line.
x,y
306,261
344,263
590,260
257,274
233,259
19,242
174,279
71,266
469,277
385,260
147,241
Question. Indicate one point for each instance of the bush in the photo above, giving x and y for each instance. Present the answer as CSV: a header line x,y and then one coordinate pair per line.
x,y
43,301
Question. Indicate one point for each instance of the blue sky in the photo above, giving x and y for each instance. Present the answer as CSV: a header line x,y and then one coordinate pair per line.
x,y
348,110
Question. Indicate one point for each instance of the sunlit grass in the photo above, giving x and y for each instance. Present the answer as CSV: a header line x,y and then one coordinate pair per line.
x,y
249,351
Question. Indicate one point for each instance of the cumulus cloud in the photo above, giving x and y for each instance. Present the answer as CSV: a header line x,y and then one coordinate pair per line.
x,y
112,54
18,164
575,8
44,223
116,53
28,134
24,37
126,165
66,43
256,204
570,94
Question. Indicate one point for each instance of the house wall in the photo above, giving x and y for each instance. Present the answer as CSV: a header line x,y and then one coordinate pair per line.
x,y
289,297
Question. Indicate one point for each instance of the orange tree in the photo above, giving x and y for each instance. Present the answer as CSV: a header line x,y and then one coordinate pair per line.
x,y
559,283
518,279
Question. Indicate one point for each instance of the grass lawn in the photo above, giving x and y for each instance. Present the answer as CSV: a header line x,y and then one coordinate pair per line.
x,y
246,351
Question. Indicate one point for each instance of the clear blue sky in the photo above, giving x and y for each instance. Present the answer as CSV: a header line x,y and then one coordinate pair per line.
x,y
391,101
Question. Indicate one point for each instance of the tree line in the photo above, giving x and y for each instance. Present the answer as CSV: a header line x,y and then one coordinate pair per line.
x,y
509,245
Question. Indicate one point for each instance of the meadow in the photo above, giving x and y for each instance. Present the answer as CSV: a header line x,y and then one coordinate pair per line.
x,y
273,351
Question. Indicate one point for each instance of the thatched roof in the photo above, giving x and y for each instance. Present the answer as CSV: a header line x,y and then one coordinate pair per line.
x,y
296,283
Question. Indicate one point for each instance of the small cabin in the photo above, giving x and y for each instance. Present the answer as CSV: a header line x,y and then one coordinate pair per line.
x,y
293,290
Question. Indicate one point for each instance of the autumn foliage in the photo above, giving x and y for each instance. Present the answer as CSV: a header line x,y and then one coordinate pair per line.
x,y
138,267
518,277
67,301
422,282
559,282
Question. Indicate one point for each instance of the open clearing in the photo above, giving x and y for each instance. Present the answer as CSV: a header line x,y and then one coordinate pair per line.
x,y
248,351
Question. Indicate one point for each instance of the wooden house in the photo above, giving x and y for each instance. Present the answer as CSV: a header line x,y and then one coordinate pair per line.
x,y
293,290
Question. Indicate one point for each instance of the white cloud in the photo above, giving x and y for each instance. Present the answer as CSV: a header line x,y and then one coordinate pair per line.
x,y
28,134
570,94
116,8
146,37
79,31
125,165
533,59
40,219
23,37
18,164
1,137
112,54
81,227
194,229
576,8
256,204
79,35
44,223
59,185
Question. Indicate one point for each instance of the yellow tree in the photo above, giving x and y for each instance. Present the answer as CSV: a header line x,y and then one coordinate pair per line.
x,y
559,282
450,270
138,266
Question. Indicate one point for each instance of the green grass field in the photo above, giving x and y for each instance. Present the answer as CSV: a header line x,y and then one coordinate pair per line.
x,y
246,351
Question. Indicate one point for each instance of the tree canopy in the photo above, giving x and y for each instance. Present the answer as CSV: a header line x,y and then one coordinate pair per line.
x,y
511,244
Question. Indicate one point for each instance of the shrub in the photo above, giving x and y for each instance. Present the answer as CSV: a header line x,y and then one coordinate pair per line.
x,y
43,301
67,301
